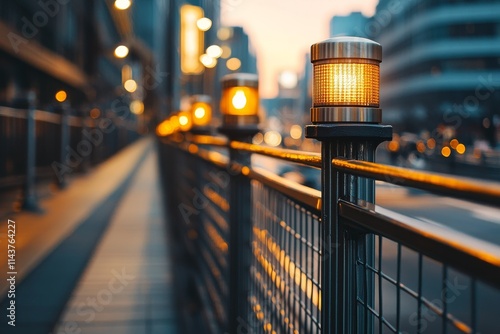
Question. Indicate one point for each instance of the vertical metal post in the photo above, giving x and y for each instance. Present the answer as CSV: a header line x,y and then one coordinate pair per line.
x,y
240,122
346,117
240,222
61,181
85,129
29,199
350,141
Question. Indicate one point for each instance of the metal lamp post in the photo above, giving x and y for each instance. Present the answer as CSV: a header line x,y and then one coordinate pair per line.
x,y
239,107
346,118
201,114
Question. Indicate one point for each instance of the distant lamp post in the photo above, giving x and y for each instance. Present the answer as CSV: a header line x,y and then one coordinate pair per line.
x,y
174,121
208,61
240,101
214,51
204,24
130,86
165,128
122,4
233,64
121,51
185,121
346,80
137,107
201,113
239,106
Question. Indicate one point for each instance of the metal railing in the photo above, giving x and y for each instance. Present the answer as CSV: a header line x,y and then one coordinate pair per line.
x,y
372,272
38,144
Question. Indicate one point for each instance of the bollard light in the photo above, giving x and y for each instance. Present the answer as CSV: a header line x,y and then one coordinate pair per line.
x,y
201,110
185,121
240,99
165,128
346,80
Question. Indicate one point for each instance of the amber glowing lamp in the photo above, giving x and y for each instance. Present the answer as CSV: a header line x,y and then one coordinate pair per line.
x,y
346,80
240,99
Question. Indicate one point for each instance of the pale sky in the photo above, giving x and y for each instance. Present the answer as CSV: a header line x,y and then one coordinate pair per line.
x,y
282,31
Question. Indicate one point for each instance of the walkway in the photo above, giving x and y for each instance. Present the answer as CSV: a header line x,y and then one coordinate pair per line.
x,y
97,260
127,286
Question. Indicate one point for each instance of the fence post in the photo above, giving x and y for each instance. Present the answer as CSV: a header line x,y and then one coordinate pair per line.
x,y
239,127
64,109
85,115
346,119
29,196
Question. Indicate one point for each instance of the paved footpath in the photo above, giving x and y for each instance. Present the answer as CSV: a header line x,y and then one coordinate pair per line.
x,y
127,285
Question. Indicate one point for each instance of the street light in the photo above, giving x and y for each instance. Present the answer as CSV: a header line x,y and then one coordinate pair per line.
x,y
201,110
208,61
214,51
121,51
346,80
122,4
233,64
240,99
130,85
204,24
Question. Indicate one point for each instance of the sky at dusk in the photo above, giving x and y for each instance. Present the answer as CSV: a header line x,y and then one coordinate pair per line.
x,y
282,31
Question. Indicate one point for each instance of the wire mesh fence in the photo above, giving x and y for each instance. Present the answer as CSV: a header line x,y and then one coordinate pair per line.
x,y
285,289
398,276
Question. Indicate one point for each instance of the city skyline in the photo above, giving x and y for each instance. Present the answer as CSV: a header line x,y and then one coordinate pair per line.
x,y
280,42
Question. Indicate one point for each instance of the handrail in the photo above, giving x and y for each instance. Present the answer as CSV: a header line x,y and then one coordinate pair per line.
x,y
475,257
474,191
12,112
75,121
48,117
306,158
303,194
209,140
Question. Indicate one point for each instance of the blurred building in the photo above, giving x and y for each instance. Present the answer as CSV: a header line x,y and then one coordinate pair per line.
x,y
354,24
238,55
305,87
48,46
284,107
441,64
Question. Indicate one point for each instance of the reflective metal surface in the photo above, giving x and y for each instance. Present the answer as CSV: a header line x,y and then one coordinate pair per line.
x,y
302,194
240,80
209,140
305,158
346,47
346,114
460,188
